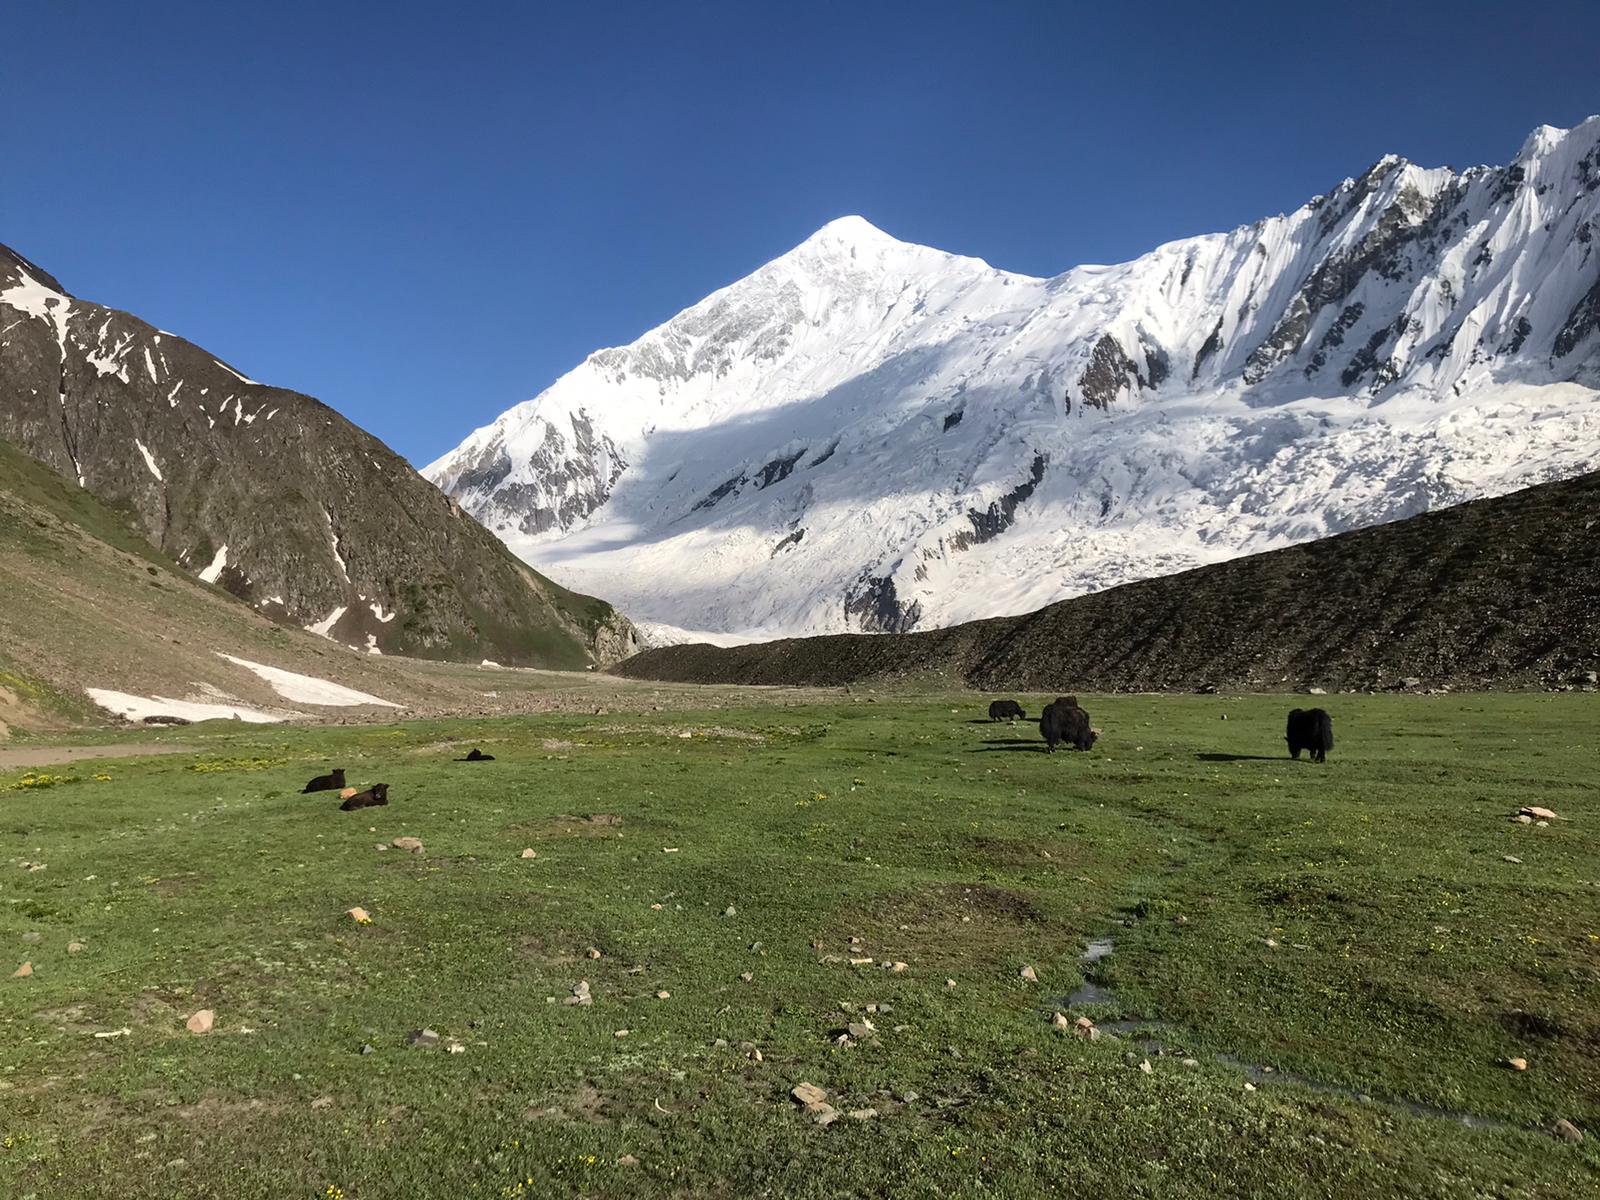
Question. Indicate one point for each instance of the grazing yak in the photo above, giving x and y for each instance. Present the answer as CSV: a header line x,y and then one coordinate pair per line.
x,y
373,797
1006,710
1064,721
476,755
326,783
1310,729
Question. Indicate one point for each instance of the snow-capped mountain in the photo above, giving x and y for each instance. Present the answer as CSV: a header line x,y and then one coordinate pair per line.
x,y
866,434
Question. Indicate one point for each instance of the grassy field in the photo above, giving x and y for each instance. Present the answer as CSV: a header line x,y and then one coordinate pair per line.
x,y
1358,928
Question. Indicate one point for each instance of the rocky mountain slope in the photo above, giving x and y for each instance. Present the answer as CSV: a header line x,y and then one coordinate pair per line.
x,y
269,493
866,434
1499,593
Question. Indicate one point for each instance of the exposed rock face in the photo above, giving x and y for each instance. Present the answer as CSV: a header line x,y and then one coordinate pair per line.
x,y
1414,338
269,493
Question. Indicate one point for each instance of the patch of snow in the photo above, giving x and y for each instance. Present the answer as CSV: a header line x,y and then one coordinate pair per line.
x,y
489,664
372,644
333,544
47,304
172,396
137,708
150,365
234,373
377,610
218,562
149,461
307,689
324,627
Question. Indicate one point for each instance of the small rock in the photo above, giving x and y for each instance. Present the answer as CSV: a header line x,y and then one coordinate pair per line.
x,y
23,971
895,968
746,976
620,1033
1541,824
201,1022
863,1114
1531,810
1249,1087
381,846
1146,1068
423,1038
909,1097
1029,974
756,1055
1524,819
528,852
949,983
860,1030
627,1160
1511,858
75,947
1059,1021
592,952
663,995
322,1102
1517,1064
655,908
33,937
455,1047
580,994
1567,1131
1190,1062
825,1114
730,911
366,1048
359,915
408,843
808,1094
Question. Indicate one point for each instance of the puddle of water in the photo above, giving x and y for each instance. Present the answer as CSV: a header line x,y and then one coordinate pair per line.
x,y
1098,949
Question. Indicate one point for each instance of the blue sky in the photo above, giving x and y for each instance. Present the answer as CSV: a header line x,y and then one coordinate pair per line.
x,y
424,213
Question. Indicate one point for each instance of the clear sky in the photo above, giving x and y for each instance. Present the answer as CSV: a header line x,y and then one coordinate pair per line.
x,y
423,213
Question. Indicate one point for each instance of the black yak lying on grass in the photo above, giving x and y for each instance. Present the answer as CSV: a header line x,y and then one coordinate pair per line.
x,y
476,755
326,783
1006,710
1310,729
373,797
1064,721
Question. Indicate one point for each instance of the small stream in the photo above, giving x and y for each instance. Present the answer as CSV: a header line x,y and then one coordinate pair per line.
x,y
1092,993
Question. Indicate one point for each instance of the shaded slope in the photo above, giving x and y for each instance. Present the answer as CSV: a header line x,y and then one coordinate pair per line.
x,y
270,493
1496,593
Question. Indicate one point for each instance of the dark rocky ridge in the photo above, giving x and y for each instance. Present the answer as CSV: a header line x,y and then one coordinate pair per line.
x,y
316,515
1501,593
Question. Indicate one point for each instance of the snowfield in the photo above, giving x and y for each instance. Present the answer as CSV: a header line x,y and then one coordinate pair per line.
x,y
866,434
137,708
307,689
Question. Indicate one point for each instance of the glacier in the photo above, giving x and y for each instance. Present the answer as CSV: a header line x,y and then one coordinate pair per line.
x,y
866,434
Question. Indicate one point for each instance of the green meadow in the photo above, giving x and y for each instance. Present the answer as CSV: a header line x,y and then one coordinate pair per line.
x,y
1316,975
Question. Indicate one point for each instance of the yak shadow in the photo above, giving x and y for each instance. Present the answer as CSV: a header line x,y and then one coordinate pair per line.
x,y
992,745
1239,757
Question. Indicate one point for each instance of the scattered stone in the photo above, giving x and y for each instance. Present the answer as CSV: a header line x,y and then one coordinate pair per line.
x,y
861,1030
756,1055
863,1114
1085,1028
592,952
1191,1062
1059,1021
807,1094
1524,819
620,1033
1146,1068
825,1114
1029,974
75,947
627,1160
424,1038
1567,1131
111,1033
33,937
580,994
663,995
746,976
1249,1087
655,908
1541,824
1531,810
1511,858
730,911
366,1048
528,852
860,962
1181,919
1270,943
894,968
408,843
949,983
720,1044
202,1021
359,915
23,971
1517,1064
909,1097
381,846
322,1102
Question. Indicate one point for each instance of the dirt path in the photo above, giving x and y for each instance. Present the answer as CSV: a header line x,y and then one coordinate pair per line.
x,y
48,756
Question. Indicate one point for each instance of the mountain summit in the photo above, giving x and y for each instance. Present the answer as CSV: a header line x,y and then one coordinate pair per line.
x,y
869,434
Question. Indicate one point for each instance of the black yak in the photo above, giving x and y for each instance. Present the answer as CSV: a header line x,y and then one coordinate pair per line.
x,y
476,755
326,783
1006,710
1064,721
373,797
1310,729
